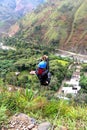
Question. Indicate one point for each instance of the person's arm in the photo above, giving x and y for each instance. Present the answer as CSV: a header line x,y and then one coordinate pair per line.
x,y
47,64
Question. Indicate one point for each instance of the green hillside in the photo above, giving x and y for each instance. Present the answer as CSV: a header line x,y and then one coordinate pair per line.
x,y
57,23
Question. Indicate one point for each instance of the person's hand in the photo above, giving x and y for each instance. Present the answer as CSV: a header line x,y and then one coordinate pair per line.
x,y
32,72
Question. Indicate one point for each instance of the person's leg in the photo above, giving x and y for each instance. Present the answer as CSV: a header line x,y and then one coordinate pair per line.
x,y
45,79
49,77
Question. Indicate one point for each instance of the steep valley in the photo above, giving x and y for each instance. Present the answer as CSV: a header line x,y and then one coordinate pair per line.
x,y
59,24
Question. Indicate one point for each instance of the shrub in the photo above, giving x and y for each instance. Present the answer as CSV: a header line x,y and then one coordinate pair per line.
x,y
55,84
69,74
84,67
83,83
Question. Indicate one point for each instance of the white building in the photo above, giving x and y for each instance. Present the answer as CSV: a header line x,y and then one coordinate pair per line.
x,y
73,86
71,90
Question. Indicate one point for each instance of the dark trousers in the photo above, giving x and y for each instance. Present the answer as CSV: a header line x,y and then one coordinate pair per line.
x,y
45,79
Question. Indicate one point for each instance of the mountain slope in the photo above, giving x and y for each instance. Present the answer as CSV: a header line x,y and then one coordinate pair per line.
x,y
78,34
12,10
57,23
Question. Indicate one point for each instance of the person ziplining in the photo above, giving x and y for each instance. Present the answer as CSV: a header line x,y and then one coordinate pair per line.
x,y
42,71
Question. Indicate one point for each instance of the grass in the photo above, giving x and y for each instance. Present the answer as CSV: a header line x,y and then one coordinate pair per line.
x,y
69,116
54,15
82,11
58,112
62,62
3,116
51,34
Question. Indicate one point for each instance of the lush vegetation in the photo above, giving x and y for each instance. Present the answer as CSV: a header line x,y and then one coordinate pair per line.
x,y
37,104
22,92
23,62
83,79
56,23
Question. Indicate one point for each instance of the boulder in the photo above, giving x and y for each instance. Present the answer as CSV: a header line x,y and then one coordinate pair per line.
x,y
21,122
44,126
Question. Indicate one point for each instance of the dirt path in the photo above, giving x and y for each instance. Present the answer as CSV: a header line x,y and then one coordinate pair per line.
x,y
74,56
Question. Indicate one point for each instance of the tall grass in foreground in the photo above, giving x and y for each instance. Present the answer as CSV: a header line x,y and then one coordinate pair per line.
x,y
58,112
3,116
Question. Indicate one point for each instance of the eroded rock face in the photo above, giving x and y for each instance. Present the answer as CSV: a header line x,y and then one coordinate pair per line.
x,y
24,122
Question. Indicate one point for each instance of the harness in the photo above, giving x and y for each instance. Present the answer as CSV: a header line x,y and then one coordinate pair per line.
x,y
40,71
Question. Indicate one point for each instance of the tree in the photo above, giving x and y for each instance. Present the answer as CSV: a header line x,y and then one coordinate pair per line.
x,y
83,83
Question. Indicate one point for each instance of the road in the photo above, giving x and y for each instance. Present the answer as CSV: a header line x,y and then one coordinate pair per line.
x,y
74,56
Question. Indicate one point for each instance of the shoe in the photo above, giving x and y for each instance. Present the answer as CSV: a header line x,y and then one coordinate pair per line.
x,y
46,82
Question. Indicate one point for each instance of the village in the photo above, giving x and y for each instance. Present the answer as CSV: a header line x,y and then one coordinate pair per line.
x,y
71,87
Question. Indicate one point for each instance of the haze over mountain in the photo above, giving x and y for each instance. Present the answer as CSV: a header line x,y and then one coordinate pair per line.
x,y
12,10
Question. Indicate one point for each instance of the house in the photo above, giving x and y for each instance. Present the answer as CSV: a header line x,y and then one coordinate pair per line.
x,y
73,86
71,90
